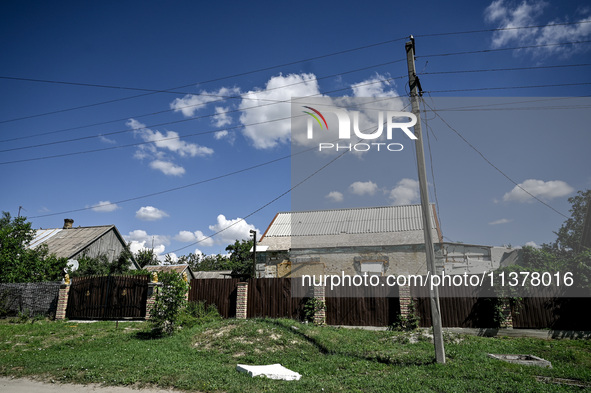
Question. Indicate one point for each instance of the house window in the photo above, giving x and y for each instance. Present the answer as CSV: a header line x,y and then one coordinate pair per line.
x,y
372,268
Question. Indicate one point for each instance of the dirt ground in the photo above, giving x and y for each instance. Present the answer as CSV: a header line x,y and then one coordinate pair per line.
x,y
20,385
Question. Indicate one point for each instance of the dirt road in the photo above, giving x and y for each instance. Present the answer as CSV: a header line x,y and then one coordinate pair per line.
x,y
19,385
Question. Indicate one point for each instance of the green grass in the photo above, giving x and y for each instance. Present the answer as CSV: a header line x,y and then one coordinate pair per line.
x,y
204,358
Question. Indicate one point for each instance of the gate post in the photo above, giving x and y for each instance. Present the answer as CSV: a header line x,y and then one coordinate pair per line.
x,y
152,291
405,300
242,300
320,309
62,300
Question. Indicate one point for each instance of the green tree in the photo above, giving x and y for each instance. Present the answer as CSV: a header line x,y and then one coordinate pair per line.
x,y
568,237
146,257
20,263
168,302
100,265
241,257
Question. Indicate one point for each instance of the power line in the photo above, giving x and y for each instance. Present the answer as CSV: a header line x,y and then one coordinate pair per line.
x,y
505,69
158,125
503,49
223,98
509,87
490,163
211,80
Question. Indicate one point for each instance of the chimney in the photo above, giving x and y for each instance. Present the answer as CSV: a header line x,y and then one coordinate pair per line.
x,y
68,222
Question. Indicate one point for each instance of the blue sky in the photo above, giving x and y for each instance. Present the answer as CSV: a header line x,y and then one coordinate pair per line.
x,y
169,101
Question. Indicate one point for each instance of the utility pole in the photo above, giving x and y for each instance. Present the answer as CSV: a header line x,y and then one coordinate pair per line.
x,y
254,253
413,82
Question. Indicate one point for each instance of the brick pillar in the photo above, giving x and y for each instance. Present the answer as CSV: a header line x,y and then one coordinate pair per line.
x,y
152,290
62,301
507,322
320,314
405,300
242,300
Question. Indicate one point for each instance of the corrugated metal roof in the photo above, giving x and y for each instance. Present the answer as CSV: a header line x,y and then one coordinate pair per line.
x,y
348,221
68,242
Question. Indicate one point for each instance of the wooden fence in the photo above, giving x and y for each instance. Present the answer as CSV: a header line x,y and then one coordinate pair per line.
x,y
107,297
220,292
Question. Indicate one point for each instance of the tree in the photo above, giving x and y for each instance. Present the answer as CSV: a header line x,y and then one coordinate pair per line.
x,y
241,257
569,236
20,263
146,257
100,265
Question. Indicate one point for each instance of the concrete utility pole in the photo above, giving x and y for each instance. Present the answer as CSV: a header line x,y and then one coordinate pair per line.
x,y
425,207
254,253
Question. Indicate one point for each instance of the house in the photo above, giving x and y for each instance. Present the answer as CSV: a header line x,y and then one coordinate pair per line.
x,y
377,240
213,274
386,240
72,243
180,269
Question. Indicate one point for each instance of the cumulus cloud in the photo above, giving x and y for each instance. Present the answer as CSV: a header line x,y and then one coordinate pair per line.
x,y
406,192
376,86
237,229
167,167
141,240
363,188
532,244
538,188
260,108
164,146
193,237
105,207
509,14
150,213
191,103
104,139
335,196
221,117
499,222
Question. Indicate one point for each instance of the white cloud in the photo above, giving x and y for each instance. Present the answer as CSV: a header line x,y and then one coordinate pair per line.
x,y
162,144
150,213
260,108
335,196
374,87
168,168
538,188
191,103
508,15
406,192
238,229
363,188
501,221
221,117
104,139
192,237
105,207
141,240
532,244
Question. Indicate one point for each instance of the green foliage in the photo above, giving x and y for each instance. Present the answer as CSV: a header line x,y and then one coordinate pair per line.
x,y
406,322
568,237
311,307
168,302
20,264
241,257
200,262
198,313
146,257
101,265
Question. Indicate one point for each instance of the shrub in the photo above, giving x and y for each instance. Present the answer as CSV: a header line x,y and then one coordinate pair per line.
x,y
168,302
197,313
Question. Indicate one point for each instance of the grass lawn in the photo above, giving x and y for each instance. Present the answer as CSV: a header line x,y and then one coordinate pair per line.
x,y
204,358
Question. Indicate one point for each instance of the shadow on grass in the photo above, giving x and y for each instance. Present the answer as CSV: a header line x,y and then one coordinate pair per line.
x,y
326,351
152,334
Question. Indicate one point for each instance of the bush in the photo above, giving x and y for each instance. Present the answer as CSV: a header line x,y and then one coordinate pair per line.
x,y
197,313
406,322
168,303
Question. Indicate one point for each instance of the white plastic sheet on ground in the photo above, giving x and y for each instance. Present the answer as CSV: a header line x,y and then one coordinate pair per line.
x,y
273,371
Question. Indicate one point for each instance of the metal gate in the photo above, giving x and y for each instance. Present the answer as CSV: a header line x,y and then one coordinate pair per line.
x,y
107,297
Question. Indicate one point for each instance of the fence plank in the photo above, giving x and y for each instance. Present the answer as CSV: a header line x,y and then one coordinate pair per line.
x,y
219,292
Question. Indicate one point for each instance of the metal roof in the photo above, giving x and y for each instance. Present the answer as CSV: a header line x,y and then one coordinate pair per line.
x,y
367,220
68,242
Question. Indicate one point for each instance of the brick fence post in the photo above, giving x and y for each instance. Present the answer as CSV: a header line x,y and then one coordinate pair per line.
x,y
320,314
152,291
62,301
507,321
405,300
242,300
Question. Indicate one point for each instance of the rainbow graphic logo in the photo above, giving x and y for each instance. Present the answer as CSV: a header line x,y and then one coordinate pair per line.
x,y
315,117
